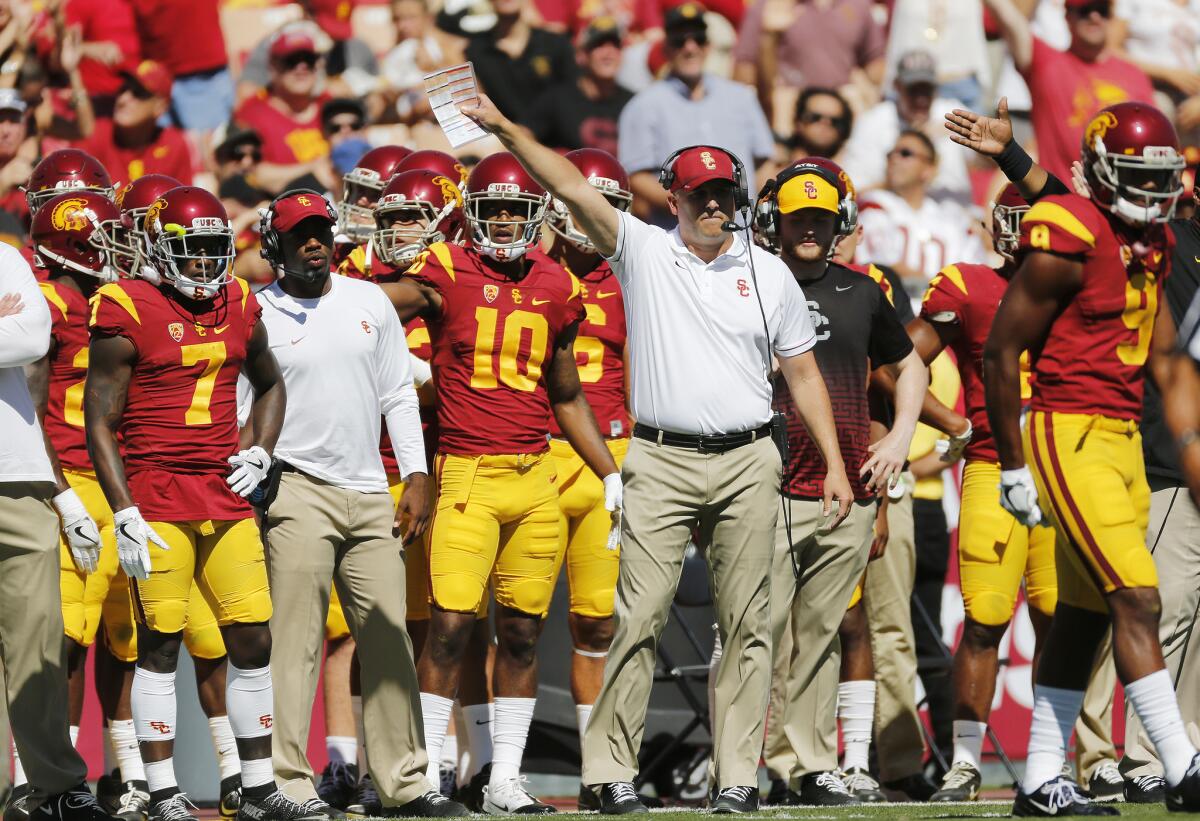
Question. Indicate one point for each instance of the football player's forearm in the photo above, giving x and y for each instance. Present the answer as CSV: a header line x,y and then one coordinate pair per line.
x,y
578,424
1002,386
266,417
110,470
937,415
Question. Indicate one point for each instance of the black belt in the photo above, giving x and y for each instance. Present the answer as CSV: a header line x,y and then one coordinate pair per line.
x,y
702,443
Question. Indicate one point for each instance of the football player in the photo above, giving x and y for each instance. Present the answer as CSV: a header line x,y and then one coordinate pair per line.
x,y
600,355
67,169
502,319
1085,301
362,186
162,374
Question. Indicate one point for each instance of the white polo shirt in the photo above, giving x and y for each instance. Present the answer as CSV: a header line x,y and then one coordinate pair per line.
x,y
24,338
697,342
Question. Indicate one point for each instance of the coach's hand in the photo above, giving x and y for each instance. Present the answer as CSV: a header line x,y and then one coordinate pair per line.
x,y
1019,496
485,114
82,534
133,538
837,487
886,461
413,506
614,503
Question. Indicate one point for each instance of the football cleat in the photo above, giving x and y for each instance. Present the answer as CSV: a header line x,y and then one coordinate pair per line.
x,y
109,790
1146,789
961,783
277,806
471,795
20,803
509,797
76,804
1185,796
1058,796
862,786
366,799
231,797
338,784
134,803
176,808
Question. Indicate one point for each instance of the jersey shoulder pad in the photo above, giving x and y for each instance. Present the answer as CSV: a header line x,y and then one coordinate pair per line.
x,y
947,295
875,273
59,310
355,263
114,310
437,266
1062,223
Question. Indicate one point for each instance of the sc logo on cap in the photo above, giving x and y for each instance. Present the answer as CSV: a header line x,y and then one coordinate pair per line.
x,y
707,158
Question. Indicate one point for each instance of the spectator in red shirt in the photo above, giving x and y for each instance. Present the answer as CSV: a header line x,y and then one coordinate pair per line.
x,y
185,36
110,45
1069,87
572,16
287,115
132,143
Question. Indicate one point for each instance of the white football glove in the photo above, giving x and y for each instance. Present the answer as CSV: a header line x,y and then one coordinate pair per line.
x,y
951,449
614,503
133,538
250,467
82,534
1019,496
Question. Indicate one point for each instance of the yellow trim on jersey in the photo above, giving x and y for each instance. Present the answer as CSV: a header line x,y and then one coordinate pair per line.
x,y
876,273
116,293
245,286
1055,214
952,273
442,251
51,295
576,287
357,258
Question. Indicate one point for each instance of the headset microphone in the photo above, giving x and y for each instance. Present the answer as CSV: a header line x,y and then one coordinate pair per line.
x,y
731,226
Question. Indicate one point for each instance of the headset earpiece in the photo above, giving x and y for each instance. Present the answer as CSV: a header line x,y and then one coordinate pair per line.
x,y
741,186
766,216
269,238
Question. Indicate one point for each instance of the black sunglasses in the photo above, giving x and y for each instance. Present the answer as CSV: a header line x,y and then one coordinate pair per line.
x,y
338,128
293,60
679,39
1103,8
906,153
243,154
814,117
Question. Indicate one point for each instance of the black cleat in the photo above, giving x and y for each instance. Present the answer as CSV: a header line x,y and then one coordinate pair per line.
x,y
733,800
1058,796
338,784
76,804
619,798
430,805
1146,789
471,794
231,797
824,790
588,800
20,803
174,808
777,793
961,783
863,786
109,790
316,805
1185,796
133,804
277,806
366,799
917,787
1107,783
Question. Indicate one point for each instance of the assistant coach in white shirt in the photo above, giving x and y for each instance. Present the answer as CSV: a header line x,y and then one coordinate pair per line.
x,y
344,360
705,312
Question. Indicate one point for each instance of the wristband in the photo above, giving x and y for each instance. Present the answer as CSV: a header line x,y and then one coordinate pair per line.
x,y
1014,162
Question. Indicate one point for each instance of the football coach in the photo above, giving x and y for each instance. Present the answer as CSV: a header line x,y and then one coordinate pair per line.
x,y
706,312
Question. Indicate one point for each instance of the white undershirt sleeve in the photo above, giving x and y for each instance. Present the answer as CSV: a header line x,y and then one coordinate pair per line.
x,y
397,396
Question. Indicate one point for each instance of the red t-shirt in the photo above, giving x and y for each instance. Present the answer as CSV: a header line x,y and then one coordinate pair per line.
x,y
490,345
180,422
286,139
68,372
1067,92
105,20
183,35
1096,349
574,15
169,154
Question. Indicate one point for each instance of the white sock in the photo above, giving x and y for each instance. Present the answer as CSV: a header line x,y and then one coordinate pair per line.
x,y
19,778
1153,699
449,752
106,743
160,775
1054,714
360,732
153,702
435,712
510,730
583,712
968,742
125,748
73,731
341,749
226,746
256,772
856,711
478,719
248,700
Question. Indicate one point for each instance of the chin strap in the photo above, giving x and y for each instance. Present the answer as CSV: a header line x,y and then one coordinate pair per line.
x,y
107,274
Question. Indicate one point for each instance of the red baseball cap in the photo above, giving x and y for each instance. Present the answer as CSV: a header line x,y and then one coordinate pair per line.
x,y
292,208
698,165
151,76
333,16
287,43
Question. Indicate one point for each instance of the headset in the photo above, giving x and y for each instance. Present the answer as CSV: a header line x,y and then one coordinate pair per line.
x,y
766,210
741,194
269,248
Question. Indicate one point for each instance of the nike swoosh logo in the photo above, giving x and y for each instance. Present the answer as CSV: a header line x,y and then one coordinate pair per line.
x,y
537,301
124,532
256,463
603,295
294,341
477,721
78,531
840,288
221,330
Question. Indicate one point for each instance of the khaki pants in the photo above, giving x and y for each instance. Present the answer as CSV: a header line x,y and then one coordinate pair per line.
x,y
31,638
732,500
805,615
887,596
320,535
1093,729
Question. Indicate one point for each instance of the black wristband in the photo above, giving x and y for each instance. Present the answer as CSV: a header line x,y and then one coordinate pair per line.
x,y
1014,162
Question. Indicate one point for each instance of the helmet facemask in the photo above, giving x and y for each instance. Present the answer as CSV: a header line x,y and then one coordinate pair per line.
x,y
411,227
100,250
355,221
1139,189
528,210
176,246
36,199
1006,229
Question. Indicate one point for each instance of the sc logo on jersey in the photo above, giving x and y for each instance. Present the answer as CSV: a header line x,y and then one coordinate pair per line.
x,y
819,321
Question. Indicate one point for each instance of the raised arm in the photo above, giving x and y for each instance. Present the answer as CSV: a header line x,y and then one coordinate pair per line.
x,y
1014,26
993,137
589,208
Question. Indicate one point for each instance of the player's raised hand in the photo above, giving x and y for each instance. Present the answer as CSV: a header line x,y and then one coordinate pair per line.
x,y
83,536
484,112
412,511
614,503
133,542
982,134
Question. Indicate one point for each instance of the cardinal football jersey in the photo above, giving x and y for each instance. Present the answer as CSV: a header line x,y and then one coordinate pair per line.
x,y
180,422
68,373
1092,359
363,263
968,296
600,352
490,344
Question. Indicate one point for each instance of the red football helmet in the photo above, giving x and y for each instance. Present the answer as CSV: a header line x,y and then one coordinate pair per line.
x,y
417,209
1007,212
67,169
77,230
364,183
190,241
607,176
1132,162
439,162
133,251
500,184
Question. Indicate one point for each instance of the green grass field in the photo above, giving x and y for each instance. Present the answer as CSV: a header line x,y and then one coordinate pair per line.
x,y
980,809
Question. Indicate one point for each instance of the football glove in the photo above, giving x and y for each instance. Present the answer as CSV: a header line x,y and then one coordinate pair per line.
x,y
133,538
614,502
82,534
250,467
951,449
1019,496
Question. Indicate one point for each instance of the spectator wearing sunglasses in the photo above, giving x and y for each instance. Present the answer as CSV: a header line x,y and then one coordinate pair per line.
x,y
238,154
687,107
1162,38
1068,87
133,143
287,115
916,105
822,124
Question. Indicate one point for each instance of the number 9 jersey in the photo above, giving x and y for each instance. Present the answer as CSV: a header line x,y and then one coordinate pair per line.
x,y
490,345
180,422
1093,356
